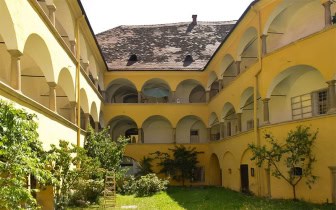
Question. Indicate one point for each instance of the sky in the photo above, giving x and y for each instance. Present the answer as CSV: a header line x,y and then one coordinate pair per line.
x,y
106,14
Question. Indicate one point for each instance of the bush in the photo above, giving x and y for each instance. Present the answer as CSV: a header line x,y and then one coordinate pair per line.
x,y
87,192
127,186
149,185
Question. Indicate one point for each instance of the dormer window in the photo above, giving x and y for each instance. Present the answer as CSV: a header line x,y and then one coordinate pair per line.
x,y
188,58
133,58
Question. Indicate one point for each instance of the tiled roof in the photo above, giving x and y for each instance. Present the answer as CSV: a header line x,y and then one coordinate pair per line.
x,y
164,46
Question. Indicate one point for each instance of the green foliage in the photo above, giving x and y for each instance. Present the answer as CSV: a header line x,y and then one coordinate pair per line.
x,y
86,192
65,157
127,185
296,152
181,166
108,152
21,155
145,166
149,184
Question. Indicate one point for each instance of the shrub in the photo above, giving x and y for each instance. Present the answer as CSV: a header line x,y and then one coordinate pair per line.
x,y
127,186
87,192
149,185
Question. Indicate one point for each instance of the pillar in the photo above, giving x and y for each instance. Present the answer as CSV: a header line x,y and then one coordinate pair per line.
x,y
264,44
171,97
333,183
238,67
52,16
239,122
220,84
73,47
331,96
207,96
96,127
86,67
140,136
174,135
52,96
15,74
266,111
86,121
139,96
73,112
327,12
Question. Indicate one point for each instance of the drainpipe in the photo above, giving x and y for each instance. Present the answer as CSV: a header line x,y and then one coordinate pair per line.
x,y
78,79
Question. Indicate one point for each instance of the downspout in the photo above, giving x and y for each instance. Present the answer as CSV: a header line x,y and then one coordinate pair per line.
x,y
255,98
78,79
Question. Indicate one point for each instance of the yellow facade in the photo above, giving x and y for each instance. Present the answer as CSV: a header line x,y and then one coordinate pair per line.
x,y
281,54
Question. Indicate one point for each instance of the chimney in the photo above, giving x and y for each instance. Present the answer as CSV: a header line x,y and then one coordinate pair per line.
x,y
194,17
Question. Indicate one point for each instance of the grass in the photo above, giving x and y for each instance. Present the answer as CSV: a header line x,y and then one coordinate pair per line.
x,y
211,198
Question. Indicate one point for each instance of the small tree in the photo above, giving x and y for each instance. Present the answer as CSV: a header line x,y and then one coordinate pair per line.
x,y
21,155
182,165
296,155
145,166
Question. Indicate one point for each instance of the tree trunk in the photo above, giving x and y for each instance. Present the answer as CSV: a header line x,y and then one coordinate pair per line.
x,y
294,192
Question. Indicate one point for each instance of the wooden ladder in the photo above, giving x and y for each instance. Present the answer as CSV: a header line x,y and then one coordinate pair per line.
x,y
110,190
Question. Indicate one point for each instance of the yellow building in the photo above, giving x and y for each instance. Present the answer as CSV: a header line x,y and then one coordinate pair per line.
x,y
272,70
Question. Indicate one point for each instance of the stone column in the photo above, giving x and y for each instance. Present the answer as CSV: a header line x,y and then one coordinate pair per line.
x,y
333,182
86,68
207,96
264,44
139,96
15,74
86,121
73,47
174,135
327,12
73,112
52,16
237,63
331,96
52,96
140,137
239,122
171,97
96,127
266,111
220,84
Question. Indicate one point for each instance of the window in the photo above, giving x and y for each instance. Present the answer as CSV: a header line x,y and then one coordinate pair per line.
x,y
250,124
296,171
301,106
194,137
228,129
322,102
199,174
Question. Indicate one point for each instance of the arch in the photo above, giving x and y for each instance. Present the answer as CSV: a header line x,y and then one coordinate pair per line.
x,y
5,60
191,129
131,165
66,81
215,174
246,94
248,37
247,51
213,118
84,102
226,62
83,49
157,129
190,91
36,48
119,89
64,18
120,124
211,79
156,90
292,20
7,29
228,69
94,112
230,171
227,109
295,94
93,67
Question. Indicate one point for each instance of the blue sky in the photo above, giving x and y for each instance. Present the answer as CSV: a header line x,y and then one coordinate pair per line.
x,y
107,14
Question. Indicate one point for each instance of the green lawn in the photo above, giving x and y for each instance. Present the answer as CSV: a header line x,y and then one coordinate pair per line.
x,y
210,199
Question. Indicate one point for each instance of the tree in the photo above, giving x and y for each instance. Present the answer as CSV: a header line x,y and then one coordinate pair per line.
x,y
145,166
108,152
295,154
21,155
182,165
65,157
